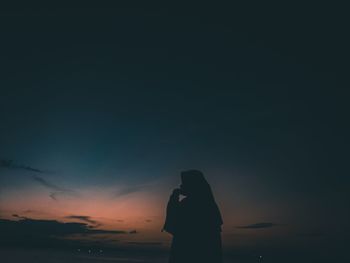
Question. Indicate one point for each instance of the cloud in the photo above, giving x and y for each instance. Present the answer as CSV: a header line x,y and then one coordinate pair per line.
x,y
129,190
58,190
258,225
28,232
86,219
126,190
18,216
49,185
11,165
134,188
53,196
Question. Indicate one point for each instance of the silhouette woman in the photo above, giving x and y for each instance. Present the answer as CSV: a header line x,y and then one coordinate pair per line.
x,y
195,222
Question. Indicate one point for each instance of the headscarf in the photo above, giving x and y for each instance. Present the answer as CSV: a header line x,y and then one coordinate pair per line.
x,y
200,193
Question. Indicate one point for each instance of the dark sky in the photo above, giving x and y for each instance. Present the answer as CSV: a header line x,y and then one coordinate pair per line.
x,y
254,96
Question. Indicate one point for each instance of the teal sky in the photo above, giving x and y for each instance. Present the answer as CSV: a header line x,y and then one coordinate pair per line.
x,y
110,105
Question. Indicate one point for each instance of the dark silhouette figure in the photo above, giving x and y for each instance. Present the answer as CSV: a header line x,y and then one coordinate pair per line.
x,y
195,222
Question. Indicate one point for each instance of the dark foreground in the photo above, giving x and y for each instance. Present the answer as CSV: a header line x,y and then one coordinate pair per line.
x,y
11,255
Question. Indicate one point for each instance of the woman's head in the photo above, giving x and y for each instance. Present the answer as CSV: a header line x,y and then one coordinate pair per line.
x,y
193,183
195,186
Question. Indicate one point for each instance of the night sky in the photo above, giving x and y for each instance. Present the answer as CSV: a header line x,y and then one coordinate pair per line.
x,y
102,108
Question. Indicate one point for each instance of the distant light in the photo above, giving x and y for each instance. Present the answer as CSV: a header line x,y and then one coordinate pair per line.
x,y
78,249
101,251
89,251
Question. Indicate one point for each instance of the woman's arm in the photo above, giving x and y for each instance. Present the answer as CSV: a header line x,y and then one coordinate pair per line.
x,y
172,212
